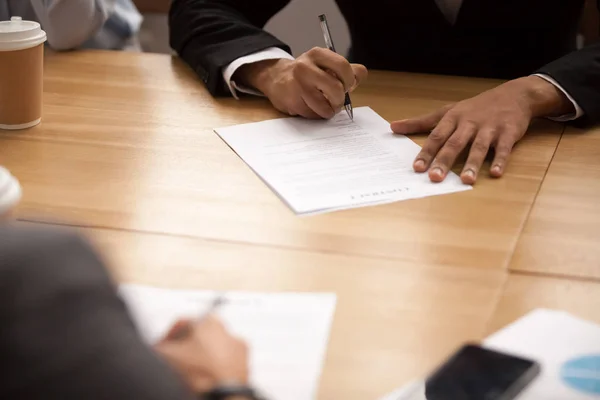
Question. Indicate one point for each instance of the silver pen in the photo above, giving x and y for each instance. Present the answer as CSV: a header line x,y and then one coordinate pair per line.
x,y
330,46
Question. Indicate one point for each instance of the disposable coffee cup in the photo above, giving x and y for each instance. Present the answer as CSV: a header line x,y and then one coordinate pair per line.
x,y
21,73
10,194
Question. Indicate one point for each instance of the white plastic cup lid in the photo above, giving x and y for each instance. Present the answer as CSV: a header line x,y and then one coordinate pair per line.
x,y
10,191
17,34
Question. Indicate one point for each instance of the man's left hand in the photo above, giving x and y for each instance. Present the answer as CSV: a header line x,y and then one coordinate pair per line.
x,y
497,118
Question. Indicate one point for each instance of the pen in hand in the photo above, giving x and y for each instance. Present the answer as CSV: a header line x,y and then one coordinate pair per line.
x,y
330,46
183,329
216,303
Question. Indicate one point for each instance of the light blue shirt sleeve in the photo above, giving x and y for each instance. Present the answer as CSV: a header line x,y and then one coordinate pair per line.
x,y
70,23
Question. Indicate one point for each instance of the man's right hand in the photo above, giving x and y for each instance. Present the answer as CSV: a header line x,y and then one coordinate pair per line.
x,y
312,86
205,354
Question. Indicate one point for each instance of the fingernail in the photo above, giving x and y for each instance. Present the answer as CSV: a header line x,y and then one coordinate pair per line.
x,y
419,164
496,169
469,174
437,171
398,128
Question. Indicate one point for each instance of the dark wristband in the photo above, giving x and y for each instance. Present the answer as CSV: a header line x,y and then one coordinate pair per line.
x,y
226,392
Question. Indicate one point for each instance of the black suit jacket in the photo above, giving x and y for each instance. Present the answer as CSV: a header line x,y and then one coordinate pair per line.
x,y
491,38
64,332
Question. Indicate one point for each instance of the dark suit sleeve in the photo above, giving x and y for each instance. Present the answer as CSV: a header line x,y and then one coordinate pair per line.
x,y
579,74
210,34
65,334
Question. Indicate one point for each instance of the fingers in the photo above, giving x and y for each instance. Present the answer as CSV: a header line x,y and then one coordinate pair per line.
x,y
459,140
329,60
331,87
420,124
322,92
324,78
451,136
184,328
360,73
180,330
211,322
434,143
503,149
446,157
316,101
303,110
479,150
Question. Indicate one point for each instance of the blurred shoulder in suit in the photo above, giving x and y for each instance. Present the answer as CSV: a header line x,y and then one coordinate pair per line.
x,y
66,334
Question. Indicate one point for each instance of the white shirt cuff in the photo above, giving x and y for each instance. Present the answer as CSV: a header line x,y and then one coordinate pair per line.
x,y
567,117
272,53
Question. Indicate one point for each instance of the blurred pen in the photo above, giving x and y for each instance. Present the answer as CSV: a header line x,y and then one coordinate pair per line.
x,y
216,303
330,46
184,329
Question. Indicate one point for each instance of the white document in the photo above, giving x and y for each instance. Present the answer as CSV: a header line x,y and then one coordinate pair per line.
x,y
319,166
287,333
566,347
412,391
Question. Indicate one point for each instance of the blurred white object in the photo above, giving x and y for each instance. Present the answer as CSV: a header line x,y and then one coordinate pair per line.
x,y
567,347
287,332
10,191
412,391
154,34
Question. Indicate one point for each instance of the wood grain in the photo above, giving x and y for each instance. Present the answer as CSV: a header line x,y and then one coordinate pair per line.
x,y
524,293
127,142
562,234
126,151
393,322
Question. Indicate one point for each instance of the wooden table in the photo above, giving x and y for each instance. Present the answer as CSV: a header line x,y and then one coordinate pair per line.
x,y
562,236
127,155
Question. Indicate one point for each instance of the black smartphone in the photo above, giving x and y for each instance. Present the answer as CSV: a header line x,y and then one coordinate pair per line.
x,y
475,373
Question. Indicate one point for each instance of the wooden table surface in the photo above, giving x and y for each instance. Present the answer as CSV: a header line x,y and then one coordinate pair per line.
x,y
127,155
562,235
142,127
